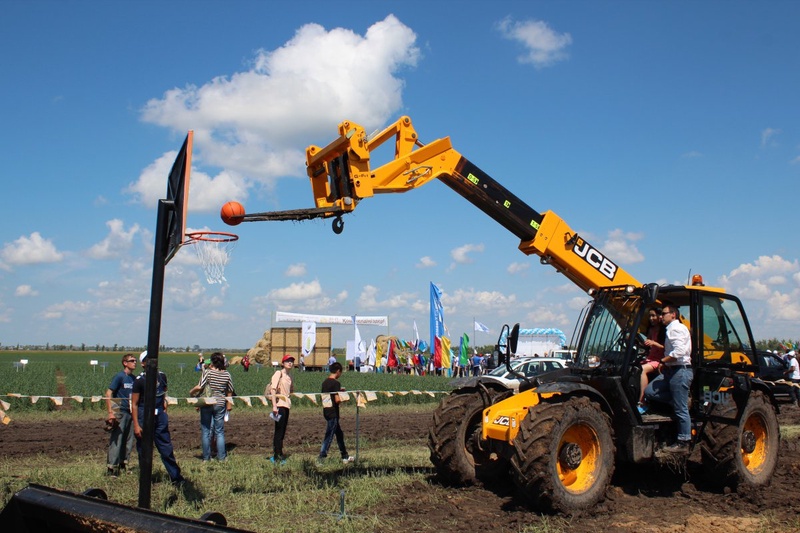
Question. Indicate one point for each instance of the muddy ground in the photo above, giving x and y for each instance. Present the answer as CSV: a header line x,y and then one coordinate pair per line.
x,y
640,499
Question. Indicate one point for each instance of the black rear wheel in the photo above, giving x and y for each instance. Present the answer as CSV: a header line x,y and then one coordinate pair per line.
x,y
457,452
744,454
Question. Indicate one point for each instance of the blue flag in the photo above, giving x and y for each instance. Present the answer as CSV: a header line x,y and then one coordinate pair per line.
x,y
437,314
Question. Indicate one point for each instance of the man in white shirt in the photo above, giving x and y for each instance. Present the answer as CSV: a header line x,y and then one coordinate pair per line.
x,y
672,386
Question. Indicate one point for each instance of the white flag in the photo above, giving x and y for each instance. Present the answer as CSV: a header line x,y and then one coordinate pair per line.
x,y
309,337
371,353
416,336
481,327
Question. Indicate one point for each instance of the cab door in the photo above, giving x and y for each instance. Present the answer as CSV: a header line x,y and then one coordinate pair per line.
x,y
724,348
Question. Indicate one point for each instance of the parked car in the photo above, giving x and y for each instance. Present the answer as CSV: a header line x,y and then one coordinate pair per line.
x,y
772,370
529,367
566,355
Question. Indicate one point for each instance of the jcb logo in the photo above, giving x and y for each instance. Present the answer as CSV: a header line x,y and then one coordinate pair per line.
x,y
597,260
501,421
715,397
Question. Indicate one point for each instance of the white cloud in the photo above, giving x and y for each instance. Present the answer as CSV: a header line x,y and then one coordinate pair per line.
x,y
516,268
25,290
426,262
483,301
764,266
30,250
543,45
460,254
620,246
770,287
206,193
116,242
767,135
297,291
369,299
255,124
295,271
547,317
69,307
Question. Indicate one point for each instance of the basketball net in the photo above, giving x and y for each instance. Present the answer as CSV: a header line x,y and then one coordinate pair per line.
x,y
214,250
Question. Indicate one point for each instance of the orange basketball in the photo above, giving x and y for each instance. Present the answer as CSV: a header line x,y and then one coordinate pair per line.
x,y
232,213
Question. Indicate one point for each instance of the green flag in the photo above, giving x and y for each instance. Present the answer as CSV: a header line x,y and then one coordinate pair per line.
x,y
463,358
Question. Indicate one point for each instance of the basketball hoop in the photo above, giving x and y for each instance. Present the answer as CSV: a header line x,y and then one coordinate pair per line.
x,y
214,249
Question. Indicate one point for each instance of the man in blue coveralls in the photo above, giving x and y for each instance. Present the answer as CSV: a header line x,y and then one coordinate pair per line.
x,y
161,437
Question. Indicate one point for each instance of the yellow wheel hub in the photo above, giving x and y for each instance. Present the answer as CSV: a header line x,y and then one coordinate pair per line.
x,y
579,456
754,444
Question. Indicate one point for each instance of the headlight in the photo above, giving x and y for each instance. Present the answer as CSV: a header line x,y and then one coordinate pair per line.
x,y
593,361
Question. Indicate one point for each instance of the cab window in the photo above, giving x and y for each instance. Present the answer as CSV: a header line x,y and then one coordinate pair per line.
x,y
724,334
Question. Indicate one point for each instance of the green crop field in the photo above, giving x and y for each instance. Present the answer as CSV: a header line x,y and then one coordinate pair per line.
x,y
68,374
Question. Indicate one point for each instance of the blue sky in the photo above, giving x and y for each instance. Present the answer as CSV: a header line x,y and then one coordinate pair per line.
x,y
666,133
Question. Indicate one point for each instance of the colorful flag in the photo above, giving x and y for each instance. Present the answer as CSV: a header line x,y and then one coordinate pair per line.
x,y
437,314
446,353
437,352
391,358
463,358
481,327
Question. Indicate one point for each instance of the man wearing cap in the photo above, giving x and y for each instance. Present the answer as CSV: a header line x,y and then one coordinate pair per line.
x,y
161,436
794,376
280,387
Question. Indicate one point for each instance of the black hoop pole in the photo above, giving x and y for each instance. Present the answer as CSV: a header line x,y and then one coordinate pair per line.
x,y
151,362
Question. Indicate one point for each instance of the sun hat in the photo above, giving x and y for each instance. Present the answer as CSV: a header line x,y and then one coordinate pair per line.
x,y
287,357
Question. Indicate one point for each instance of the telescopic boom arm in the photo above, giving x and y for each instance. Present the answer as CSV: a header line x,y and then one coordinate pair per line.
x,y
341,177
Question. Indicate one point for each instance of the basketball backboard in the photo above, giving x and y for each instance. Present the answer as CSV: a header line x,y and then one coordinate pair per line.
x,y
178,193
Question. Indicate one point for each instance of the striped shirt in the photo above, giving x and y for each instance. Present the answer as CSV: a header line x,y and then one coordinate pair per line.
x,y
220,383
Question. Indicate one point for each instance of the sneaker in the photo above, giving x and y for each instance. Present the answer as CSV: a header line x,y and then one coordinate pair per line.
x,y
277,461
112,472
642,409
680,447
349,459
179,483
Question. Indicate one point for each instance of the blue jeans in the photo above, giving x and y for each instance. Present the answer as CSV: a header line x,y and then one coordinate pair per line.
x,y
212,420
333,428
673,387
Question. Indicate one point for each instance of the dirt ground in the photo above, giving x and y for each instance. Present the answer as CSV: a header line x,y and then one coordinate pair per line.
x,y
641,499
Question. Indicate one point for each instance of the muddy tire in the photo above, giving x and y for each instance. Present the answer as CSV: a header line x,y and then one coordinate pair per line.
x,y
457,453
745,454
564,456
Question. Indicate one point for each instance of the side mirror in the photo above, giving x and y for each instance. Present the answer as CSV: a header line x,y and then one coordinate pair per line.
x,y
513,337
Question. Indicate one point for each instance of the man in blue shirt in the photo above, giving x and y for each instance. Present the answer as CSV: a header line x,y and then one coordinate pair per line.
x,y
119,416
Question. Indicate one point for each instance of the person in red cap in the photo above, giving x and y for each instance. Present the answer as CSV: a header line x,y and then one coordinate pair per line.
x,y
280,387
